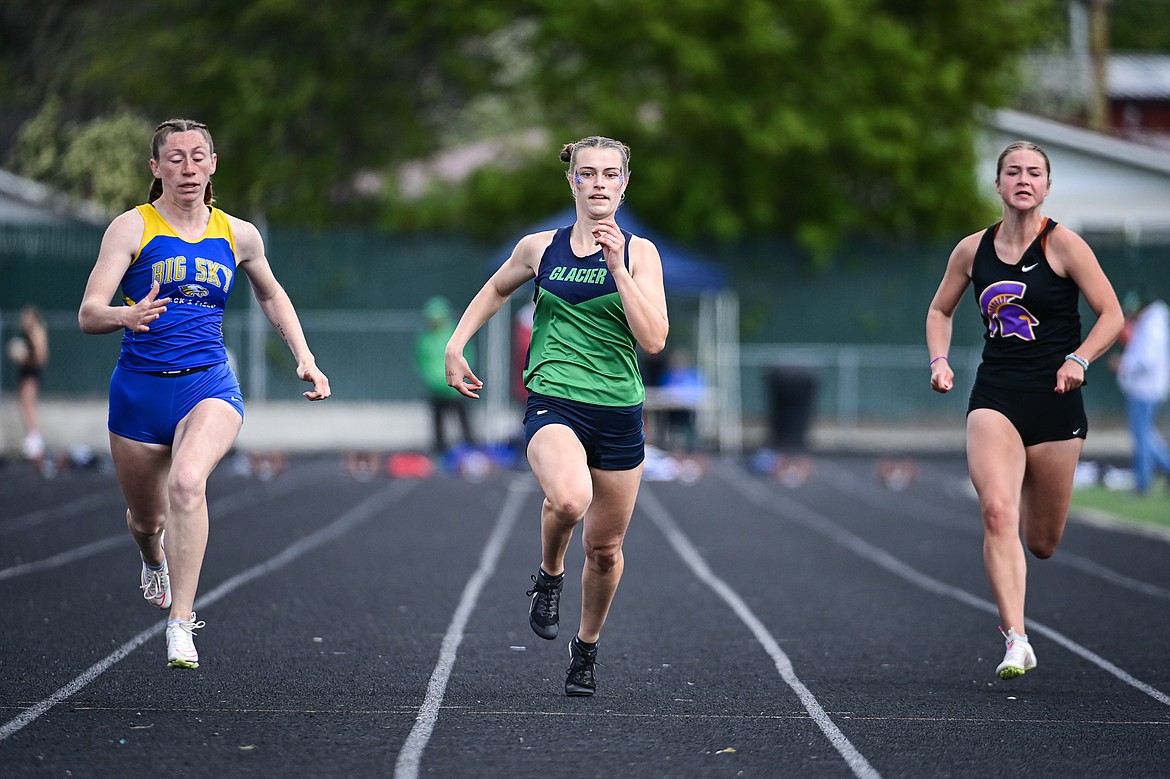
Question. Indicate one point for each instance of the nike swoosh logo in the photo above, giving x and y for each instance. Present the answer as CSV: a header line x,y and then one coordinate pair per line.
x,y
1027,268
542,411
1077,431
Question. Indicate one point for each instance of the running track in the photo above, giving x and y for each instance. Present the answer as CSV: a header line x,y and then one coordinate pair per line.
x,y
355,628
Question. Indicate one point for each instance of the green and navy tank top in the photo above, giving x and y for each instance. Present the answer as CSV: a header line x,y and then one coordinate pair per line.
x,y
197,276
582,348
1030,315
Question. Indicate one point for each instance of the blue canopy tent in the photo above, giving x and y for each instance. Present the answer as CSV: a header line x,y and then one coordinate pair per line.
x,y
695,287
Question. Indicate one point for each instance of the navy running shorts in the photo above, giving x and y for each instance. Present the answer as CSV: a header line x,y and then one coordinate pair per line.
x,y
148,407
612,435
1039,417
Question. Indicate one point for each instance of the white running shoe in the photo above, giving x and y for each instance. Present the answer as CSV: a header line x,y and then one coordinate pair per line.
x,y
33,446
180,643
1020,656
156,586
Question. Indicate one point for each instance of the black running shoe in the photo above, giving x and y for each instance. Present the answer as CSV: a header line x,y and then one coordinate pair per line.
x,y
580,681
544,613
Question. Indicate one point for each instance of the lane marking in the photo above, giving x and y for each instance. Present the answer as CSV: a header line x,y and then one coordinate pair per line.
x,y
795,511
468,711
77,505
649,503
58,512
409,758
66,557
362,512
224,506
860,490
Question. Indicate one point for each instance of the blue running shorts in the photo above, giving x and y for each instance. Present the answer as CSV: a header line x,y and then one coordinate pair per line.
x,y
148,407
612,435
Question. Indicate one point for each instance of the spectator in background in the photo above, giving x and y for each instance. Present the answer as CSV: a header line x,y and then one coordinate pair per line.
x,y
681,392
30,352
521,339
1143,374
429,350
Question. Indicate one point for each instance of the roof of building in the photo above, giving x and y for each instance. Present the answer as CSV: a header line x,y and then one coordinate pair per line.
x,y
1138,76
1099,181
24,201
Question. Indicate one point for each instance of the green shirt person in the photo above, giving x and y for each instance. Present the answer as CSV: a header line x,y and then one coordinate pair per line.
x,y
429,350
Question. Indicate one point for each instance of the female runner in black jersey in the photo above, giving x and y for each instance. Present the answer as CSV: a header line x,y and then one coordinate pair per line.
x,y
1026,420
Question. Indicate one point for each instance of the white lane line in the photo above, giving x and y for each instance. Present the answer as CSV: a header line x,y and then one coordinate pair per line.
x,y
66,557
1085,565
221,507
407,765
861,490
691,556
368,508
797,512
56,512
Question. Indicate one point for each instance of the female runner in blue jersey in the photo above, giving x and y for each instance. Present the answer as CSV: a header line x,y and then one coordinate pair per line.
x,y
1026,420
175,404
599,294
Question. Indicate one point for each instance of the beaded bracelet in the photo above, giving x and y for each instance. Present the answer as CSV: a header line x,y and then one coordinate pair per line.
x,y
1081,361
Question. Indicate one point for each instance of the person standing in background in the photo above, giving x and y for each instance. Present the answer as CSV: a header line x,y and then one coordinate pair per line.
x,y
1026,420
30,352
599,295
1143,374
175,403
428,362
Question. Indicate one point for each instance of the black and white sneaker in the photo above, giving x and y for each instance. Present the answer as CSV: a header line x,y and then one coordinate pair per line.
x,y
544,613
580,680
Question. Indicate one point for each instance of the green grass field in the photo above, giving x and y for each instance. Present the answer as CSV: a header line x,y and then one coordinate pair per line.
x,y
1150,509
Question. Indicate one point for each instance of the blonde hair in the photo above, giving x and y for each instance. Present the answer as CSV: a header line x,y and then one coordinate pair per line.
x,y
1022,146
166,130
569,150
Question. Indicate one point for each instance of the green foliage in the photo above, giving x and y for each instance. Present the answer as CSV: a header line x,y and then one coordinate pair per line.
x,y
103,160
106,160
1139,25
817,119
300,96
40,144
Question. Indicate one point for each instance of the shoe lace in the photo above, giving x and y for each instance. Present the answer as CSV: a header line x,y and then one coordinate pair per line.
x,y
153,586
189,626
581,667
548,605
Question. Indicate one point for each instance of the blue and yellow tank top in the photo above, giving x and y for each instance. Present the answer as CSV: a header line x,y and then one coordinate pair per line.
x,y
582,347
197,276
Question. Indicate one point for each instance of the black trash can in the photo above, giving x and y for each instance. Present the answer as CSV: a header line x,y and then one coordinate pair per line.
x,y
791,393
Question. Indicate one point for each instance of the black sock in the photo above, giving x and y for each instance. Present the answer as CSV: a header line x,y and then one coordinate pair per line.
x,y
584,645
549,577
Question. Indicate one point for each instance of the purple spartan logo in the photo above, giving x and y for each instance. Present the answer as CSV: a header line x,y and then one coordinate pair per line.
x,y
1005,317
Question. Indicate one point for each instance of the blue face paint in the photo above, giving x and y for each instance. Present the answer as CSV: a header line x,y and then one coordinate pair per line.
x,y
578,177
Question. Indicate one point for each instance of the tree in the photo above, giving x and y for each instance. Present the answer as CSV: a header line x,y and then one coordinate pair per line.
x,y
103,160
818,119
300,96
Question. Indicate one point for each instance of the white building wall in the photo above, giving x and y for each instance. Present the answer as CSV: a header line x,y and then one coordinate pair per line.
x,y
1100,184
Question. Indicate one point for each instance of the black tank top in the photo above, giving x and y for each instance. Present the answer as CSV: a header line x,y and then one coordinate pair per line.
x,y
1030,315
